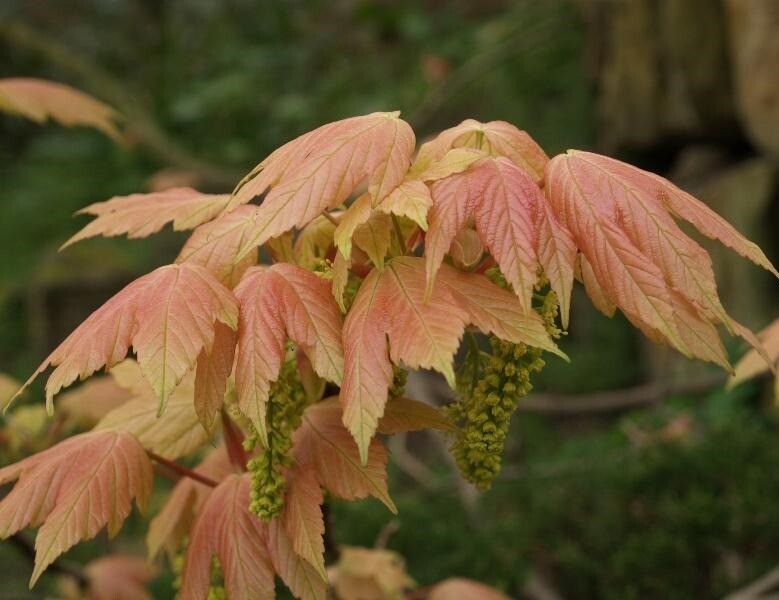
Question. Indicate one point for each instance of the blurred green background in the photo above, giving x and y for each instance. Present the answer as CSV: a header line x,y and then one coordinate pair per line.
x,y
665,489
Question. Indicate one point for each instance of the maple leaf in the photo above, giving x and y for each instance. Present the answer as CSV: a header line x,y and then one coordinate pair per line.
x,y
324,446
140,215
322,168
642,261
169,527
224,527
38,99
390,307
118,577
459,588
92,400
302,518
753,363
300,577
508,210
73,490
214,366
369,573
177,434
168,316
369,229
249,550
403,414
496,138
216,245
280,302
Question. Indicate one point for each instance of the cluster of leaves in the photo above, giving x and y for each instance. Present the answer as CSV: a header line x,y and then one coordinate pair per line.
x,y
344,210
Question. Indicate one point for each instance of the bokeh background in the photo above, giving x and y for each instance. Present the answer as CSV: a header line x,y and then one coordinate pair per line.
x,y
630,473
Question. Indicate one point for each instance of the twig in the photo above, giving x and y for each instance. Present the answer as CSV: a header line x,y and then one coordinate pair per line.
x,y
181,470
385,534
60,565
618,400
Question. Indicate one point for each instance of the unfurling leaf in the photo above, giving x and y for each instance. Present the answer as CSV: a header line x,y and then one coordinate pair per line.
x,y
168,316
38,99
391,307
508,210
323,445
140,215
640,259
321,169
496,138
250,551
280,302
73,490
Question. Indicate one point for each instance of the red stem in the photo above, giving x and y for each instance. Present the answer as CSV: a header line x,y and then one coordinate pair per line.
x,y
234,442
182,470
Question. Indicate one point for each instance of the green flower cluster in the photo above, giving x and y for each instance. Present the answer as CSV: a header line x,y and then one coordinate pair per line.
x,y
399,379
215,592
490,386
286,404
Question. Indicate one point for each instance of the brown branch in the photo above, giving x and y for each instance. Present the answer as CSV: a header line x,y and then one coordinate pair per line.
x,y
181,470
60,565
618,400
106,86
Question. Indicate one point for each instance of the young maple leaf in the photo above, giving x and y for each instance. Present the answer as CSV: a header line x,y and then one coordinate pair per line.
x,y
171,525
168,316
496,138
276,303
621,219
216,245
73,490
322,168
511,218
390,307
250,551
38,99
324,446
140,215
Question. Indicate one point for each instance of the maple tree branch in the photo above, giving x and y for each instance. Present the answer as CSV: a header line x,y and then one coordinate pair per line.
x,y
609,401
60,565
181,469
